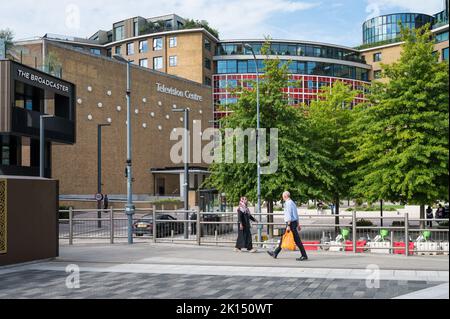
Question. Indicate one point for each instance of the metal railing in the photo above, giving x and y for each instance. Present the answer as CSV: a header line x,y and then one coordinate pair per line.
x,y
221,228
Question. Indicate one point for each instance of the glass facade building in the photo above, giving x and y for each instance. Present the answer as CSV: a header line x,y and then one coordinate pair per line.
x,y
291,49
312,68
387,27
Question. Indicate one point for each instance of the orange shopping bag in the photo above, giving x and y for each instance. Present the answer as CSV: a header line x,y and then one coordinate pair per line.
x,y
288,241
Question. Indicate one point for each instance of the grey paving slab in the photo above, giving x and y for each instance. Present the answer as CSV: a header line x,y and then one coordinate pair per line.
x,y
51,284
145,253
187,272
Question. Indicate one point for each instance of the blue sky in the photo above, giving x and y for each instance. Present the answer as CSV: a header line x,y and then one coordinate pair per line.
x,y
332,21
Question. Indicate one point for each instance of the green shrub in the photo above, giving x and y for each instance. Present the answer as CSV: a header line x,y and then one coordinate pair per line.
x,y
63,215
363,223
398,223
443,224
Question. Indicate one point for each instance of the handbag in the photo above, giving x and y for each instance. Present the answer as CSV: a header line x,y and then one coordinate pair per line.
x,y
288,241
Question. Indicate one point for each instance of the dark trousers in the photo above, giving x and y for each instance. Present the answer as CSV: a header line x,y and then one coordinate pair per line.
x,y
297,240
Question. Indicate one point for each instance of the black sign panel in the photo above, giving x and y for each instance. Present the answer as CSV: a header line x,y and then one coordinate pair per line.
x,y
42,80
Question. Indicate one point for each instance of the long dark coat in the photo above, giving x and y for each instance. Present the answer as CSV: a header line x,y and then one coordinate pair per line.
x,y
244,240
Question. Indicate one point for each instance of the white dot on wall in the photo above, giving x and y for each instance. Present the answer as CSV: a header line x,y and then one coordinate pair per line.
x,y
144,125
79,101
109,120
100,105
126,122
90,117
168,117
109,93
201,111
144,100
89,88
119,108
152,114
175,129
174,106
181,119
159,103
136,111
160,127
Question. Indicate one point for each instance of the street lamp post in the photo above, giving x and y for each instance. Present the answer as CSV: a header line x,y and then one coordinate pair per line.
x,y
129,207
186,166
258,124
99,170
42,144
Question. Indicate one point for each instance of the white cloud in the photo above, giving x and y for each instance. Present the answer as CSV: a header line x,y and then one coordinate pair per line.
x,y
233,18
376,7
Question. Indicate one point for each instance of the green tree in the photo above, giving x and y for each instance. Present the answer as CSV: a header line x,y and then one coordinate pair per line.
x,y
149,27
192,24
8,36
402,137
299,163
329,119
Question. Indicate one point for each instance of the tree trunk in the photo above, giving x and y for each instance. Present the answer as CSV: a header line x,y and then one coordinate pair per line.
x,y
381,213
270,218
422,216
336,218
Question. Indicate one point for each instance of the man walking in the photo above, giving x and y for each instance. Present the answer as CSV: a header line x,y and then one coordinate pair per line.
x,y
291,219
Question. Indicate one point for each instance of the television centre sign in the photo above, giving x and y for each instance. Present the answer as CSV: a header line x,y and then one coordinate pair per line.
x,y
176,92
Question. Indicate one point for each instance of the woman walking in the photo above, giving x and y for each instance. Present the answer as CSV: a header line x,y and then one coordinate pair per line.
x,y
244,240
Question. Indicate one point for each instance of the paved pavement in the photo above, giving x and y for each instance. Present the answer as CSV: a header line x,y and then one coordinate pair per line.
x,y
188,272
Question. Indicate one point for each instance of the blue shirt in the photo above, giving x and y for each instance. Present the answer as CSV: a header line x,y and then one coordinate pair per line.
x,y
290,211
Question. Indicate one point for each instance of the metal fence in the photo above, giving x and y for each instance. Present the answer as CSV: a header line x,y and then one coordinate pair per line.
x,y
319,232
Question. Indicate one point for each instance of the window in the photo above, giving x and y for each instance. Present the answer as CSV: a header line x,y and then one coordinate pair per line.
x,y
119,50
173,60
130,48
207,45
143,63
377,74
208,63
169,24
441,37
317,52
445,54
119,33
109,53
157,44
158,63
143,46
96,51
227,66
242,66
28,97
207,81
136,28
377,57
172,42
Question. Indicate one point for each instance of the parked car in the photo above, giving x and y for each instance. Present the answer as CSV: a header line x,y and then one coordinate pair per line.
x,y
144,226
210,229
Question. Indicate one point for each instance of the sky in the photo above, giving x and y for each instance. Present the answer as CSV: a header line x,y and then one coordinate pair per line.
x,y
330,21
